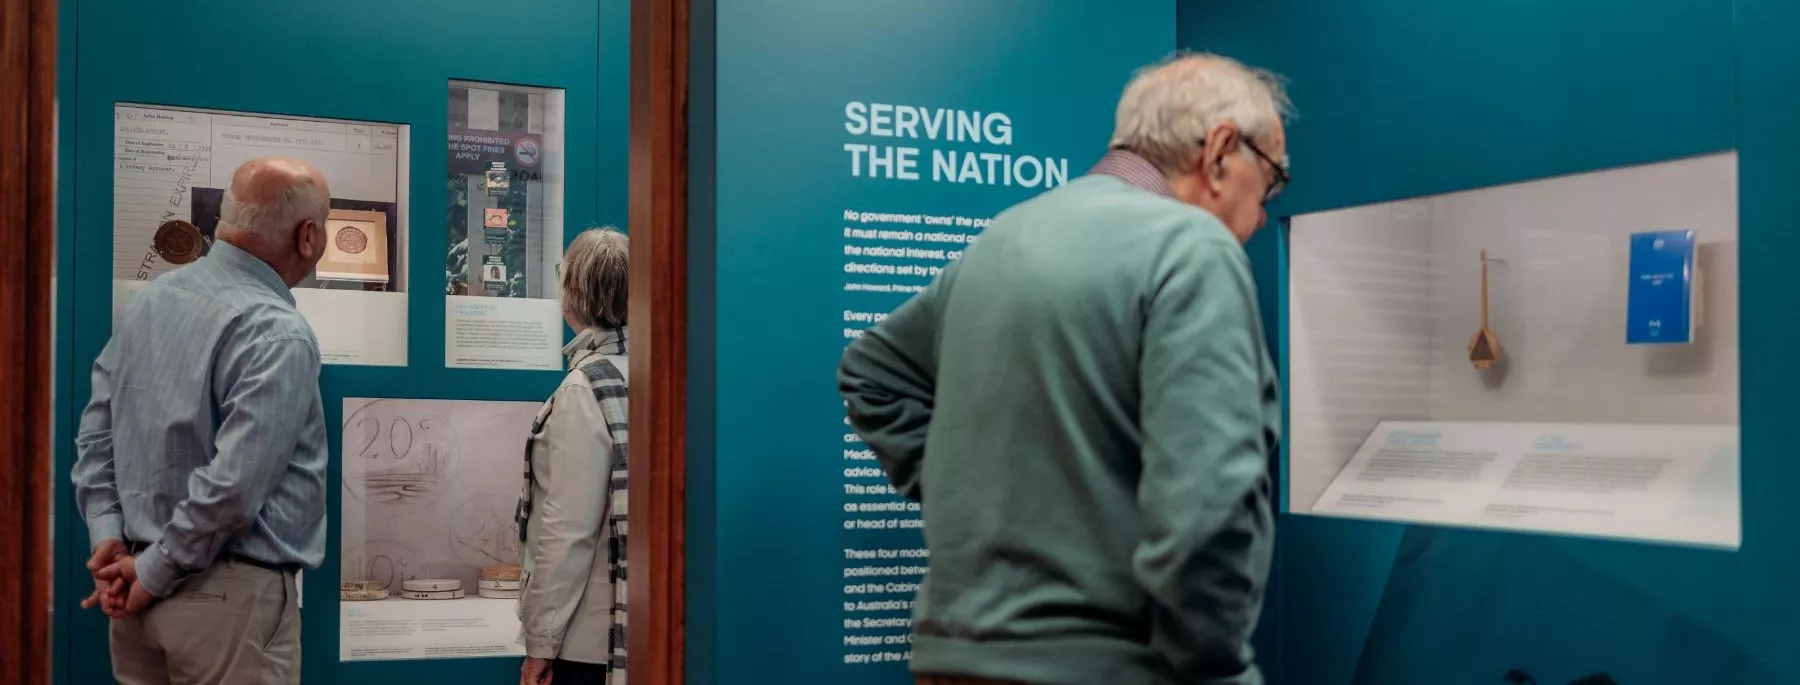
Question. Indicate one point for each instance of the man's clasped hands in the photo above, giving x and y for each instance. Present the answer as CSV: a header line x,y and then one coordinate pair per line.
x,y
116,588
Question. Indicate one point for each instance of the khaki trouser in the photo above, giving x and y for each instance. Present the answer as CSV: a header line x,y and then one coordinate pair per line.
x,y
235,624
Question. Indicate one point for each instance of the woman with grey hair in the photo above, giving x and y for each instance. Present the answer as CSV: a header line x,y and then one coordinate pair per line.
x,y
572,511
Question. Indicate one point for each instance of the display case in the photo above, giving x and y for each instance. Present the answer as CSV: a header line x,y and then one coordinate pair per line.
x,y
1559,355
504,221
171,167
430,563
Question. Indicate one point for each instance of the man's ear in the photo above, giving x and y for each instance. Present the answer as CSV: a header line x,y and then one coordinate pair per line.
x,y
308,241
1219,142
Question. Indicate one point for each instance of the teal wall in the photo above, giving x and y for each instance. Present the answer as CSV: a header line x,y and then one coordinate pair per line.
x,y
1404,98
387,61
61,434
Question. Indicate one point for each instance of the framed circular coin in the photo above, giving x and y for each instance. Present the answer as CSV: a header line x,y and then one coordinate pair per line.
x,y
352,240
178,242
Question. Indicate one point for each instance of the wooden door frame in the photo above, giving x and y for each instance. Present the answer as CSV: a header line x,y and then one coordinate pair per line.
x,y
27,229
658,315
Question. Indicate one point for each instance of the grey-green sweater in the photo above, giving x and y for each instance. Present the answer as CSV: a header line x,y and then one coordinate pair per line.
x,y
1085,407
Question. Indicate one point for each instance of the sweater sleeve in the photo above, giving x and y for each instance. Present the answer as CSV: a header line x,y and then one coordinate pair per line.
x,y
1204,494
888,378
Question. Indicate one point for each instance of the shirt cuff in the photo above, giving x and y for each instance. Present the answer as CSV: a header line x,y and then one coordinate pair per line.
x,y
155,572
109,526
542,648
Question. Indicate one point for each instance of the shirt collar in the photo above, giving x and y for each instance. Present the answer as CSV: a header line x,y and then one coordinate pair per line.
x,y
595,340
1132,168
235,258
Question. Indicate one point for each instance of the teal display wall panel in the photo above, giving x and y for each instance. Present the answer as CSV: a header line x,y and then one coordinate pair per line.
x,y
373,61
61,435
770,185
1404,98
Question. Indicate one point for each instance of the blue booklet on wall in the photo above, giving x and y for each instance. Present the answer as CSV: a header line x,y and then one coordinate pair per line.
x,y
1660,301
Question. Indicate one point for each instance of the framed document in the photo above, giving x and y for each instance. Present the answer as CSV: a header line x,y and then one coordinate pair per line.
x,y
356,247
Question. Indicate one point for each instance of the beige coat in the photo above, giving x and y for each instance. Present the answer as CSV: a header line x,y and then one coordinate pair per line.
x,y
566,601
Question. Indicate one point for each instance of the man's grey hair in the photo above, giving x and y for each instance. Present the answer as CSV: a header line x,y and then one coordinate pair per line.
x,y
595,277
1168,108
275,219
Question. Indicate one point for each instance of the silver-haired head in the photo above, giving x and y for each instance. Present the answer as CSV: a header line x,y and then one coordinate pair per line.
x,y
1168,108
595,278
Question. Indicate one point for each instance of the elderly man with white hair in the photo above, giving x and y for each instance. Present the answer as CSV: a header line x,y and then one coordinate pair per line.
x,y
1085,406
200,467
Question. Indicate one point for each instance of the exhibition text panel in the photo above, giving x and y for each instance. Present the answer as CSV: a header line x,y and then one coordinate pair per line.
x,y
1669,483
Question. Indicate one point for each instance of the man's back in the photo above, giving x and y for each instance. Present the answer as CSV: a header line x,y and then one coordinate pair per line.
x,y
1094,475
200,458
210,357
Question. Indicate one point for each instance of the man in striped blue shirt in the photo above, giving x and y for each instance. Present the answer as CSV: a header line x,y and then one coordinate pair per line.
x,y
200,466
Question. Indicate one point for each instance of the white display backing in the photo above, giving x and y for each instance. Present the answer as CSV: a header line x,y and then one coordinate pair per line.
x,y
1384,298
1668,483
1359,335
340,319
161,154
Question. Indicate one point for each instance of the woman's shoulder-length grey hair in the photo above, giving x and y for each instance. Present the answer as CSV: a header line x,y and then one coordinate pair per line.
x,y
595,275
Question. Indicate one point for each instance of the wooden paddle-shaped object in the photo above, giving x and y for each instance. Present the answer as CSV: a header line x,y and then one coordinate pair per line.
x,y
1484,348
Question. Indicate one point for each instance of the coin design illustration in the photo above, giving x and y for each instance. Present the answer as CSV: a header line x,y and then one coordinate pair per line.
x,y
352,240
178,242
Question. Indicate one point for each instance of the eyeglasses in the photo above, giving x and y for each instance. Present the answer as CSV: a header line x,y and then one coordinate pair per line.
x,y
1277,184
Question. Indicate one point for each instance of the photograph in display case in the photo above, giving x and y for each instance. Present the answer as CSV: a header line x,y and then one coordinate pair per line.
x,y
172,166
430,492
504,227
1573,425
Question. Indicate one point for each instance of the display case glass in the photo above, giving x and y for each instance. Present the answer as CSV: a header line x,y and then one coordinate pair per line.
x,y
504,221
171,167
430,563
1559,355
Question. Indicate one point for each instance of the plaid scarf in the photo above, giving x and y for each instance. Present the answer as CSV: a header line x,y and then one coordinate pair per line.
x,y
593,353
